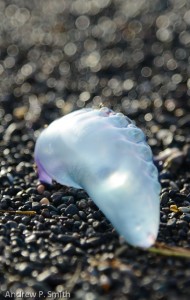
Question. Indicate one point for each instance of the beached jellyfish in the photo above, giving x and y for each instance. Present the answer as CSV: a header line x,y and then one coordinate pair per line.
x,y
104,153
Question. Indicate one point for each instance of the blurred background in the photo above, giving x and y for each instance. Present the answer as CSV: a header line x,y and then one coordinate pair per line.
x,y
133,56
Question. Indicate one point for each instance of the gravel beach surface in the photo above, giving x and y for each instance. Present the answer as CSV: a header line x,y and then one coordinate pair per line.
x,y
58,56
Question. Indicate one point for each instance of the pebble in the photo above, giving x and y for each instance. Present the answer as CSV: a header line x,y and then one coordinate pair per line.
x,y
31,239
82,215
174,162
44,201
45,276
186,190
163,218
164,198
76,225
165,182
185,209
45,213
25,220
55,229
71,210
62,208
4,204
31,191
186,151
181,224
182,233
69,250
66,238
42,233
184,121
83,226
93,242
171,222
165,175
52,208
185,217
40,188
24,269
57,198
82,203
165,136
97,215
36,206
11,224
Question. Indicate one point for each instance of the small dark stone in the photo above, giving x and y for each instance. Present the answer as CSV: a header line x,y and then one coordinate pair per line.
x,y
83,226
62,207
182,233
164,198
53,213
90,220
53,237
76,217
97,215
63,238
184,121
31,191
92,204
40,226
82,203
11,224
69,250
45,213
71,210
185,217
55,229
21,226
17,242
185,190
25,207
25,220
44,276
76,225
182,224
57,198
165,182
82,215
36,206
171,222
174,162
3,228
68,200
104,225
29,203
5,202
93,242
96,224
164,175
166,136
44,255
52,208
81,194
164,218
44,233
31,239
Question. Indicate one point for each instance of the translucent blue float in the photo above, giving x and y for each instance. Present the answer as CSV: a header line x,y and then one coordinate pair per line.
x,y
104,153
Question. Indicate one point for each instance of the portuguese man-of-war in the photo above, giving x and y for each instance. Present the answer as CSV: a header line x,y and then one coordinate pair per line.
x,y
105,154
